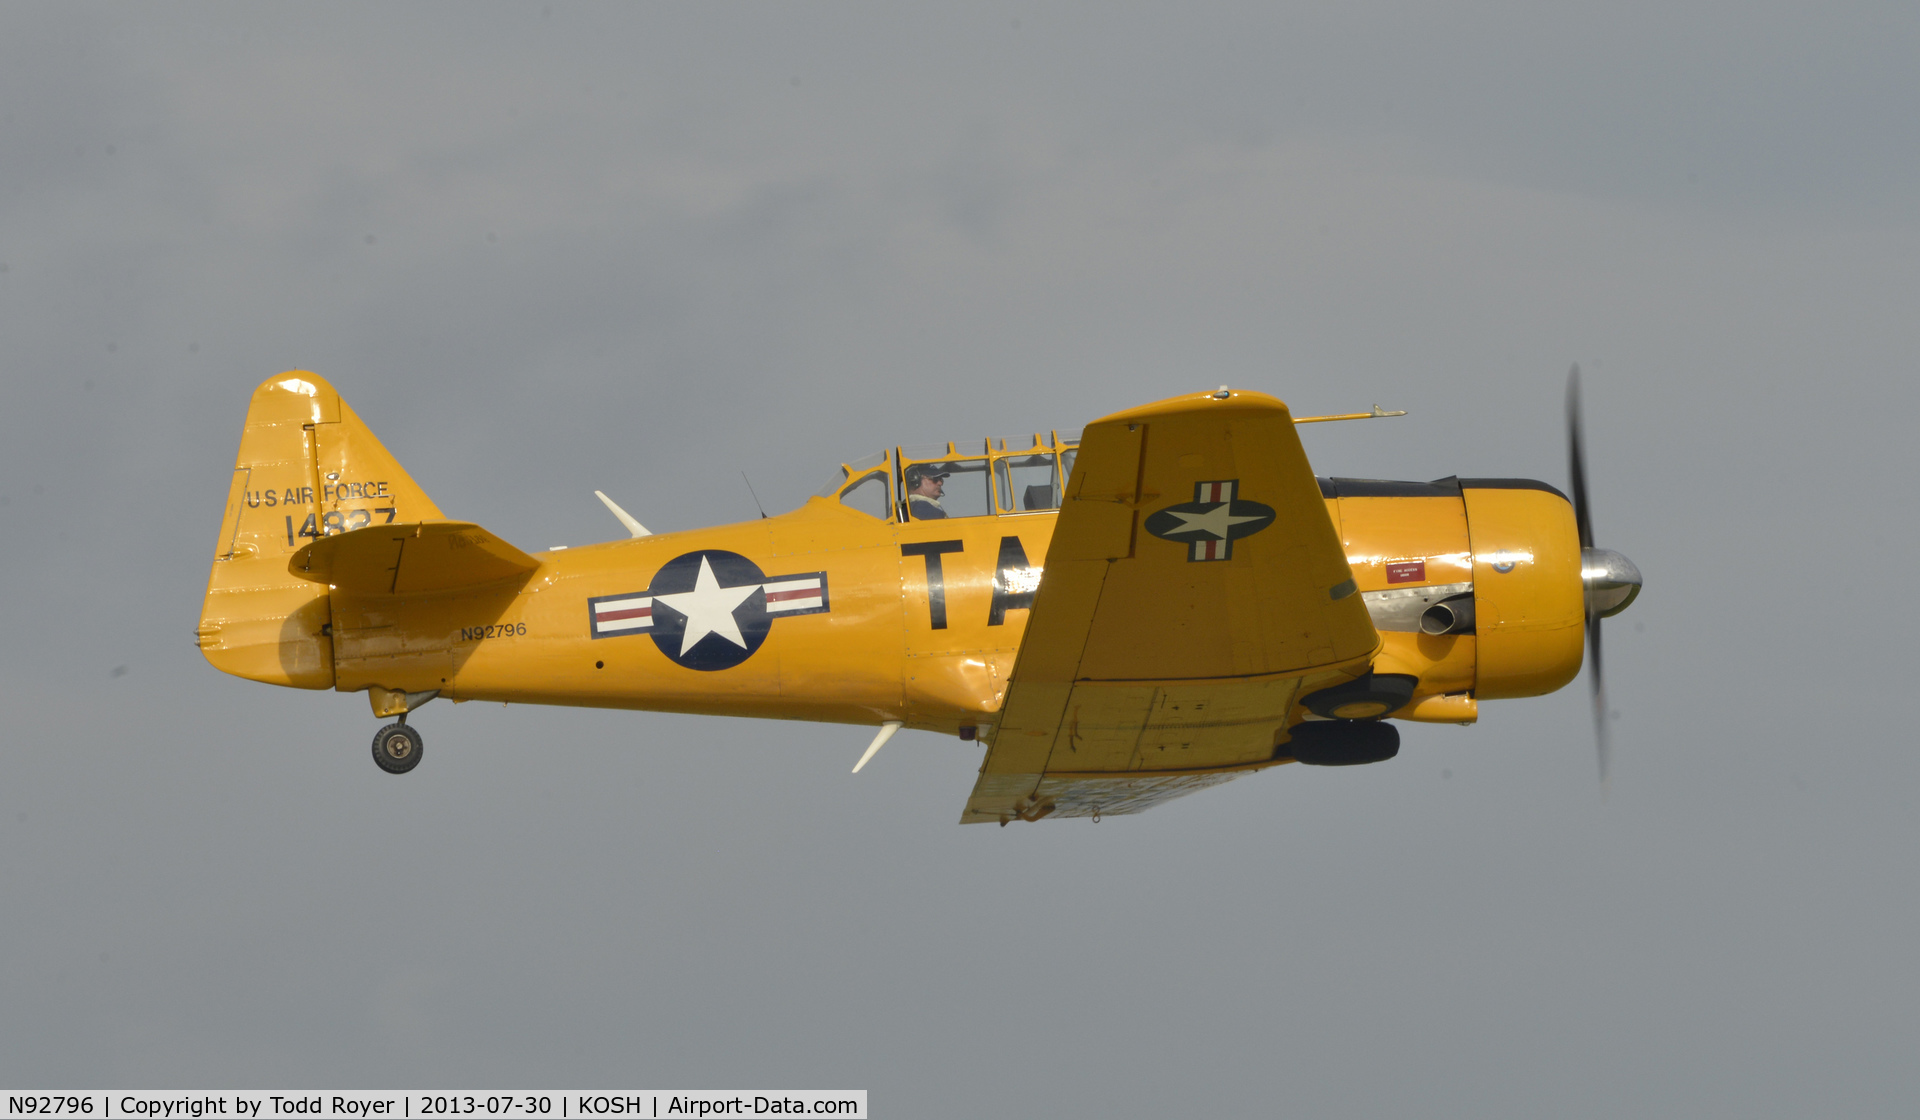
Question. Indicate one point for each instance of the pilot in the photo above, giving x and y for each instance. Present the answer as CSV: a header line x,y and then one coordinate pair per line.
x,y
924,484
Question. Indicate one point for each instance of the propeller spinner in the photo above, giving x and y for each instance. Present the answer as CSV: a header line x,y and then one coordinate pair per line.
x,y
1610,579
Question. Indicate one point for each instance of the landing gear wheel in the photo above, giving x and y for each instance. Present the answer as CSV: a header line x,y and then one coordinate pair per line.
x,y
1339,742
396,748
1370,697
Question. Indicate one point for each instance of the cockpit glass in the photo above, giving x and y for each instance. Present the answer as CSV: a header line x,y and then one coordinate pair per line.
x,y
946,488
854,469
869,495
1027,483
1018,474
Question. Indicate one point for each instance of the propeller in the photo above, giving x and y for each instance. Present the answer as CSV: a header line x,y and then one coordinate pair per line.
x,y
1609,580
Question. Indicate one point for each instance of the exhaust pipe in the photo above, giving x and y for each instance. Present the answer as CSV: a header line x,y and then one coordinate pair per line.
x,y
1448,616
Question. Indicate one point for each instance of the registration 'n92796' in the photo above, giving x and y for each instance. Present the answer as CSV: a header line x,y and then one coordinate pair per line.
x,y
50,1106
493,630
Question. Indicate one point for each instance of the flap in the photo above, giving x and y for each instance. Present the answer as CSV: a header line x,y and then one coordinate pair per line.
x,y
410,558
1194,589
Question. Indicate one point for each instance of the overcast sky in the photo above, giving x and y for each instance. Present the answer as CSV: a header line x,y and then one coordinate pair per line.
x,y
544,249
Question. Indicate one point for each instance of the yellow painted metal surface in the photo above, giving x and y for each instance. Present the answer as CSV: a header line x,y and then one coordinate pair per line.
x,y
1382,533
1406,543
410,558
1527,591
307,467
387,702
423,604
1454,707
872,657
1443,662
1515,546
1150,666
1154,666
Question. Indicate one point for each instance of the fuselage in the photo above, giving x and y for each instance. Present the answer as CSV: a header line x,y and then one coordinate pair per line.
x,y
865,605
922,621
909,627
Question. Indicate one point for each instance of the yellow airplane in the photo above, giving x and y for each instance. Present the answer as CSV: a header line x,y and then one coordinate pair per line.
x,y
1164,602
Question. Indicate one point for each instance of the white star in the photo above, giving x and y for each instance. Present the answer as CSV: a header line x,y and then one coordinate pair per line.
x,y
1215,522
708,608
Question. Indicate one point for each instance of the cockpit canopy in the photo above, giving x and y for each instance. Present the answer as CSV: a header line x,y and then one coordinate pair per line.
x,y
1009,475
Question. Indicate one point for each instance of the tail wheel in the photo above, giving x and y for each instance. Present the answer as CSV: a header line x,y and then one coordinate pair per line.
x,y
396,748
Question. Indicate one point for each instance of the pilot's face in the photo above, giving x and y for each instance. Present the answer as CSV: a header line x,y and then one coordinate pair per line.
x,y
931,485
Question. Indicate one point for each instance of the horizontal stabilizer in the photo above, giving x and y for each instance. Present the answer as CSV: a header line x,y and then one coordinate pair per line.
x,y
409,559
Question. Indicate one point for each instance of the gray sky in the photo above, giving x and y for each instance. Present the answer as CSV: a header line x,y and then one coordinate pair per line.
x,y
548,249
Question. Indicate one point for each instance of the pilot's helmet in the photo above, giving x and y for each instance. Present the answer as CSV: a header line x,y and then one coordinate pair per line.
x,y
915,474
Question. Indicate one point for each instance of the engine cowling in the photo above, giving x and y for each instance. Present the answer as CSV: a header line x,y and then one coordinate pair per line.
x,y
1530,614
1474,585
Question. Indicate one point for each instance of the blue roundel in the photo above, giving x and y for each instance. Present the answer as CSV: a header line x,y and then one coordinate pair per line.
x,y
1210,523
709,609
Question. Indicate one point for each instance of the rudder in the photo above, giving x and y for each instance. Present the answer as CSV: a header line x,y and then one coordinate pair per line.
x,y
307,468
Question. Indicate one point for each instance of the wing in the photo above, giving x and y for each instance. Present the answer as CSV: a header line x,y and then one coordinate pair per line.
x,y
1194,589
410,559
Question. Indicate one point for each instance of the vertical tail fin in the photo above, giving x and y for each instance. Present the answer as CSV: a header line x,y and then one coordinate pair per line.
x,y
307,468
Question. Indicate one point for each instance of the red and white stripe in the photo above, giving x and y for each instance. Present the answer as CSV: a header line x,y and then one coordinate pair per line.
x,y
1207,550
801,593
614,616
1214,491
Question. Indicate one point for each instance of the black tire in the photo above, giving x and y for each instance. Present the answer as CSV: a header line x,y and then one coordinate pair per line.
x,y
396,748
1373,696
1341,742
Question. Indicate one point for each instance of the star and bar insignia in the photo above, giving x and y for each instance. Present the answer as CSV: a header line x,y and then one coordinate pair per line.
x,y
1210,523
708,610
